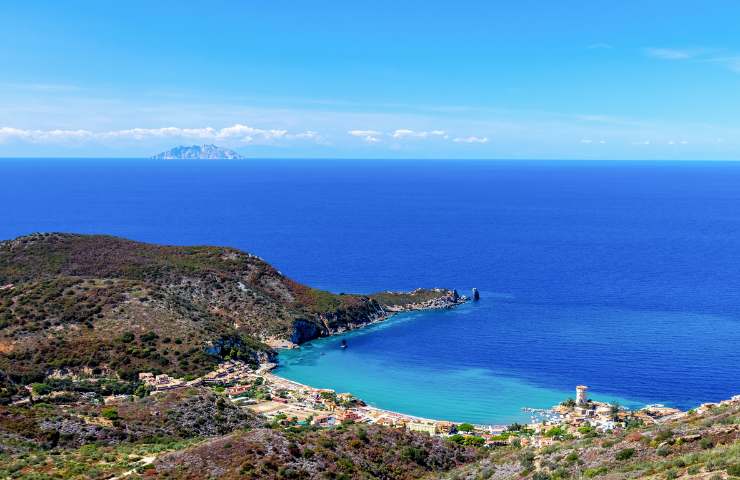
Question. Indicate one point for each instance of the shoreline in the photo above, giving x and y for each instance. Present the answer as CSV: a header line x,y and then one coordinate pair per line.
x,y
553,414
447,302
600,414
270,375
390,312
383,411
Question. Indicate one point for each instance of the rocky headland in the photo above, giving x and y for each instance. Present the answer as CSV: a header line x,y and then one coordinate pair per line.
x,y
104,304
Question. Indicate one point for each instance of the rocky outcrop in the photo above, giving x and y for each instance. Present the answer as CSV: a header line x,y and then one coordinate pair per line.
x,y
341,320
373,309
421,299
243,348
305,330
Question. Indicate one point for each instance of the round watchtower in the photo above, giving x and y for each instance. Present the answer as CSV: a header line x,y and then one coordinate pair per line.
x,y
581,394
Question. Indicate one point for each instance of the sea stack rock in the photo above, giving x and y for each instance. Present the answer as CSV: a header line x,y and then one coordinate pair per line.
x,y
476,295
455,296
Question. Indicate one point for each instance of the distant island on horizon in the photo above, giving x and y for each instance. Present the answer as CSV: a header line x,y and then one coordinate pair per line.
x,y
184,152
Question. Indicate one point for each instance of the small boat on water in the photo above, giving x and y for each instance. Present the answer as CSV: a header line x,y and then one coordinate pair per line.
x,y
343,344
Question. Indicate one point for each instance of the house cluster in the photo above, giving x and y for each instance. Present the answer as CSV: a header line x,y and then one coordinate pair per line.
x,y
165,382
227,373
282,399
604,417
584,412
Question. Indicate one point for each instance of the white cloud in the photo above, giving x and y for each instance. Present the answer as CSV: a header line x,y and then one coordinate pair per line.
x,y
471,139
40,87
247,134
369,136
729,61
671,53
406,133
308,135
374,136
236,133
600,46
10,133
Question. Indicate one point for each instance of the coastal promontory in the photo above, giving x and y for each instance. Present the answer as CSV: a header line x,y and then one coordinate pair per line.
x,y
97,303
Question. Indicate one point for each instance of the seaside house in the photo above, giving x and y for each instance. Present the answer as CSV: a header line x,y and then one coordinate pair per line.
x,y
386,421
444,428
236,390
349,415
423,427
194,382
165,382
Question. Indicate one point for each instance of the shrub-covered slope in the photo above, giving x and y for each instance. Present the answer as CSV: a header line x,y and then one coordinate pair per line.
x,y
208,437
108,304
349,452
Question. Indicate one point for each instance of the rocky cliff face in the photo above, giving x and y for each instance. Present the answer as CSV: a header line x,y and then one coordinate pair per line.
x,y
371,309
305,330
340,320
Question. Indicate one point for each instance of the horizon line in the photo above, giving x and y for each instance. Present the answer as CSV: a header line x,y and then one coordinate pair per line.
x,y
473,159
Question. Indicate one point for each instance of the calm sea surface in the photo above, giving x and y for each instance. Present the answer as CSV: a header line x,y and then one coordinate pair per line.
x,y
624,276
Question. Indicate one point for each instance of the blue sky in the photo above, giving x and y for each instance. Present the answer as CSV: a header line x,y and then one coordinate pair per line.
x,y
414,79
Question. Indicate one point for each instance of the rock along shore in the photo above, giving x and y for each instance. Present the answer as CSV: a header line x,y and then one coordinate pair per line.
x,y
376,308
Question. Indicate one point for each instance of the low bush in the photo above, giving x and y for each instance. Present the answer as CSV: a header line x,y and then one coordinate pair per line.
x,y
625,454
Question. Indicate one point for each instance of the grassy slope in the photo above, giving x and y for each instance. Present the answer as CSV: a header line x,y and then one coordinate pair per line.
x,y
350,452
196,434
83,440
99,301
209,437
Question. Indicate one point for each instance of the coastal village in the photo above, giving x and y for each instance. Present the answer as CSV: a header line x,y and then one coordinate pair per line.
x,y
288,402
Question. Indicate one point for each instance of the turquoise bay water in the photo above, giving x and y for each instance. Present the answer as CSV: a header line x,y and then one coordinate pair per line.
x,y
465,394
484,362
624,276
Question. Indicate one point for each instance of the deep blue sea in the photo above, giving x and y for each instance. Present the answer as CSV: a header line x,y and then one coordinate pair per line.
x,y
624,276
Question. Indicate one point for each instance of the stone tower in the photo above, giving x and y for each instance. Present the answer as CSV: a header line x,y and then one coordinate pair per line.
x,y
581,395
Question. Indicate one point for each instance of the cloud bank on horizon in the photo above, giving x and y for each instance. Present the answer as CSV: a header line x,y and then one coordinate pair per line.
x,y
328,80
